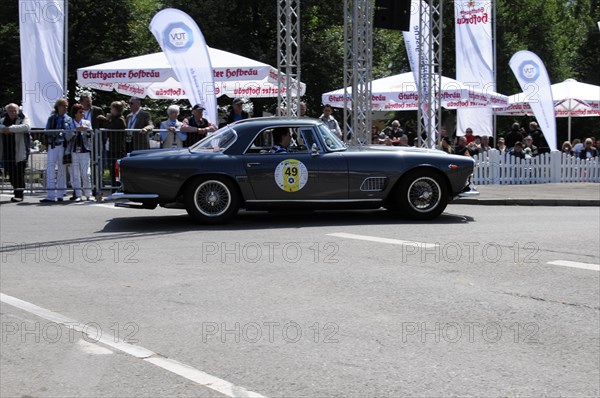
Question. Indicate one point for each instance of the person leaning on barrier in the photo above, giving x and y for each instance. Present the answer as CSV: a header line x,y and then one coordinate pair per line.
x,y
517,150
79,145
196,126
57,124
501,145
14,148
588,151
173,137
529,148
139,120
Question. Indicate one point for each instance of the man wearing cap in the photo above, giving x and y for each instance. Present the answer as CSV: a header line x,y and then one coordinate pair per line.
x,y
196,126
138,120
236,113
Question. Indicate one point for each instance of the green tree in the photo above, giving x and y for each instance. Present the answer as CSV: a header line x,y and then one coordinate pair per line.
x,y
10,62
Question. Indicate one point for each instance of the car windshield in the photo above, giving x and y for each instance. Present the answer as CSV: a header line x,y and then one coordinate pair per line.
x,y
218,141
331,141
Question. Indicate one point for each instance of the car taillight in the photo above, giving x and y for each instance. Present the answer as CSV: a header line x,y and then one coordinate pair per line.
x,y
117,172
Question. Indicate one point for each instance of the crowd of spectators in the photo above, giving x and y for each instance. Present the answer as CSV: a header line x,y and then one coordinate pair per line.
x,y
517,142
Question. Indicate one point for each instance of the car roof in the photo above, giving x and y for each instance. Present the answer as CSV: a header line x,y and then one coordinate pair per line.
x,y
262,122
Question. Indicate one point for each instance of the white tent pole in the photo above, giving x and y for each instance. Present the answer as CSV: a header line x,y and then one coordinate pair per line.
x,y
66,48
494,42
570,109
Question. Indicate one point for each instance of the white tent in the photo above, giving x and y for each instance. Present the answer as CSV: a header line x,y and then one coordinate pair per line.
x,y
571,99
399,93
151,75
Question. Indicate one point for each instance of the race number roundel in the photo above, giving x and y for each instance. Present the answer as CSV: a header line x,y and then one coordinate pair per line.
x,y
291,175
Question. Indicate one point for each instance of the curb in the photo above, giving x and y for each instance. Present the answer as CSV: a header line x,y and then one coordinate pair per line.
x,y
528,202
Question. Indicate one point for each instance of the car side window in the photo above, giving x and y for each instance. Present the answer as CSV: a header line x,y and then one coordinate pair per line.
x,y
309,138
264,143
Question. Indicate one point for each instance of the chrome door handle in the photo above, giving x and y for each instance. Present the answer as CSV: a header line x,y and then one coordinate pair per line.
x,y
252,164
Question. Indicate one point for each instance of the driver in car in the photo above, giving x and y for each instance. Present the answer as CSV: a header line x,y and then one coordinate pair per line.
x,y
282,139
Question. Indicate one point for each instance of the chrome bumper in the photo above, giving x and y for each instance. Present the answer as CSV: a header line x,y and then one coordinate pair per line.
x,y
133,196
468,194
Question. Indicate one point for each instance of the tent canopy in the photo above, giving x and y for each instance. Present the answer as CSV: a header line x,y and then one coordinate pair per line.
x,y
399,92
151,75
571,99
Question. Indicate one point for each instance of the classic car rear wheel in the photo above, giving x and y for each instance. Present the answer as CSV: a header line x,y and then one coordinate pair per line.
x,y
211,200
422,195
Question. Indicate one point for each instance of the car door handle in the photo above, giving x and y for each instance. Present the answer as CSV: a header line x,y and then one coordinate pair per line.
x,y
252,164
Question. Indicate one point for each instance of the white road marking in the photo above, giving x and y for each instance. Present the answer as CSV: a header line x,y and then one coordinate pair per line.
x,y
573,264
384,240
108,205
94,349
171,365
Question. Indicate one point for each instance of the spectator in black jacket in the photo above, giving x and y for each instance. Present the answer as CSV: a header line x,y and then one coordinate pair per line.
x,y
236,113
538,138
513,136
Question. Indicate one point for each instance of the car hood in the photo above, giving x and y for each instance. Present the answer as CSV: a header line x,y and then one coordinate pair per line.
x,y
384,148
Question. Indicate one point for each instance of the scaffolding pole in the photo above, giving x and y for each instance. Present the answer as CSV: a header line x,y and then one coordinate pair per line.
x,y
358,60
430,71
288,57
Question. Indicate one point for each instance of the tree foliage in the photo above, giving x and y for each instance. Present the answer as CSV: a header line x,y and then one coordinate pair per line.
x,y
563,33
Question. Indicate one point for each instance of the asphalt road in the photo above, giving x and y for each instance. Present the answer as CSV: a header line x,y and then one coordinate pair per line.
x,y
484,301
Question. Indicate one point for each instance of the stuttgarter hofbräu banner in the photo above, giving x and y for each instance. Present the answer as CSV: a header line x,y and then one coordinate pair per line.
x,y
533,78
474,60
41,31
411,42
182,42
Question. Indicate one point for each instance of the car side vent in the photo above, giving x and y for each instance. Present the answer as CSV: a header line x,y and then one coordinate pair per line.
x,y
374,184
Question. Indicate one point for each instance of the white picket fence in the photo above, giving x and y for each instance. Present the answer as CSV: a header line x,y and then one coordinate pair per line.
x,y
492,167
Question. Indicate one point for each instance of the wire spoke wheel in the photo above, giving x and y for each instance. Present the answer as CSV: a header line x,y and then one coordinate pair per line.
x,y
212,198
421,195
424,194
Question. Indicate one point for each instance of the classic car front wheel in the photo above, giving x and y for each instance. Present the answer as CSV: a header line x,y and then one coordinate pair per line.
x,y
211,200
422,195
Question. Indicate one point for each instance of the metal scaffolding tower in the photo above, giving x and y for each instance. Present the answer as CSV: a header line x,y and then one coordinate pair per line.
x,y
430,76
358,61
288,57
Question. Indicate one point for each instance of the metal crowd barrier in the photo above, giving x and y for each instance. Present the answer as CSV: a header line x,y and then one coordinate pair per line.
x,y
37,162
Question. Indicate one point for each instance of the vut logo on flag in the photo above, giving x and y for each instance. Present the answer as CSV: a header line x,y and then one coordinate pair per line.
x,y
178,36
529,71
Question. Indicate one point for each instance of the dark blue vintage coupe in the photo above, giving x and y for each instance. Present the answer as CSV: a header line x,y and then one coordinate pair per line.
x,y
235,168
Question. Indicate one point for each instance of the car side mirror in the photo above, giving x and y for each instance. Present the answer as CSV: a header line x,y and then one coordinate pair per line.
x,y
314,150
